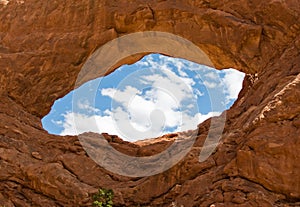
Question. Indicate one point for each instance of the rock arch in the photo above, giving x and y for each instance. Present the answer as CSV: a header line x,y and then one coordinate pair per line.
x,y
44,45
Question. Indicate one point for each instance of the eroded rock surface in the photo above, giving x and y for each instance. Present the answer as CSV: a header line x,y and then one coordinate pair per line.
x,y
43,46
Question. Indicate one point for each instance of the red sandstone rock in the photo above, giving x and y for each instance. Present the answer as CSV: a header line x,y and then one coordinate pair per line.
x,y
43,47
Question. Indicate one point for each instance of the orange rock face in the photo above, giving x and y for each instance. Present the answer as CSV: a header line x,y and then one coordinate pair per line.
x,y
43,46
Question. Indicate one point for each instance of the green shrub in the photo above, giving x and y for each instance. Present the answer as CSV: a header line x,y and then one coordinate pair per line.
x,y
103,198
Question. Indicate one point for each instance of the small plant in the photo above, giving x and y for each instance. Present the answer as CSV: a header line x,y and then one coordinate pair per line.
x,y
103,198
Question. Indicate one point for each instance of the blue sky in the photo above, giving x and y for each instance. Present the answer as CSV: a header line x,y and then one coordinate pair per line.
x,y
155,96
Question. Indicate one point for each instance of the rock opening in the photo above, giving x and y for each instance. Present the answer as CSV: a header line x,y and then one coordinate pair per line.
x,y
155,96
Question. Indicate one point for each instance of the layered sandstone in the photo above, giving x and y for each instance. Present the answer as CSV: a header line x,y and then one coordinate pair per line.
x,y
43,46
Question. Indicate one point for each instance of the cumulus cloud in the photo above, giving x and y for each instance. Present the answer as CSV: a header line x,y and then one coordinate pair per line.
x,y
160,106
77,123
120,96
212,76
160,99
232,81
85,105
210,84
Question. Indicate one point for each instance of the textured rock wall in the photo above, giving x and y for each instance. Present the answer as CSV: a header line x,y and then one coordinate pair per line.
x,y
43,46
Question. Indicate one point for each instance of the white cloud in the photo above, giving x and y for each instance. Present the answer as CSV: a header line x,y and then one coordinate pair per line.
x,y
212,76
151,104
210,84
232,81
110,92
142,115
163,99
198,93
120,96
173,84
75,123
191,122
58,123
142,64
86,106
